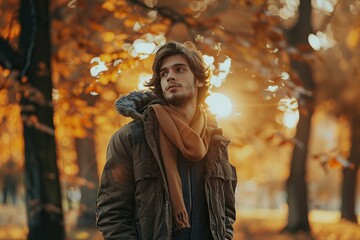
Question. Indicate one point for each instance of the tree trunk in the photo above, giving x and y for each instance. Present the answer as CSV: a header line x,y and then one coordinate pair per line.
x,y
296,184
43,195
86,156
348,195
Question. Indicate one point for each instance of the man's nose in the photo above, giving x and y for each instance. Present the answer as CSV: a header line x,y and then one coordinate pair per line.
x,y
170,76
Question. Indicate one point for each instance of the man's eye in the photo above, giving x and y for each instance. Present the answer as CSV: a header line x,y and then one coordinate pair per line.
x,y
180,69
163,74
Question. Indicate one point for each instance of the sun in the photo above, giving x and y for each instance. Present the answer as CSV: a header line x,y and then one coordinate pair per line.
x,y
219,104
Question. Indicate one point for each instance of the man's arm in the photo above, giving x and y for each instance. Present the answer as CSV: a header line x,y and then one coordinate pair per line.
x,y
115,202
230,210
229,190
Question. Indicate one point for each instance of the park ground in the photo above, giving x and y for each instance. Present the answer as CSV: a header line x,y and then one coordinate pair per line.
x,y
258,224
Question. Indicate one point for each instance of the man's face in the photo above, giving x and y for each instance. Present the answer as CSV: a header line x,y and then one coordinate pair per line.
x,y
178,83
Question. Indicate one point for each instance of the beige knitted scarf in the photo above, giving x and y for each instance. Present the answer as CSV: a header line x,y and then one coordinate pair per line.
x,y
192,140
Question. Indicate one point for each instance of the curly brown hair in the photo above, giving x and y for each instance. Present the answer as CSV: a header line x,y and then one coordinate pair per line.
x,y
196,63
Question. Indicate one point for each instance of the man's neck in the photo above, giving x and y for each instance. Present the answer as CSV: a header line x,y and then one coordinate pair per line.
x,y
187,110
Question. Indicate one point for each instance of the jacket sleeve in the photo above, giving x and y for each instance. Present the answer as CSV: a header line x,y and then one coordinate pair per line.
x,y
115,200
230,210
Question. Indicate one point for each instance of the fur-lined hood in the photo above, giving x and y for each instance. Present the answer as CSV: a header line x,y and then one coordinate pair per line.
x,y
134,104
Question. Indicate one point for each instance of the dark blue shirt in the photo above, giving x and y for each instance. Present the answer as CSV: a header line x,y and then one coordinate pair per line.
x,y
192,176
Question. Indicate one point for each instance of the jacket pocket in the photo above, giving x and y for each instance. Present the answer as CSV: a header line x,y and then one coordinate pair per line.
x,y
222,174
147,189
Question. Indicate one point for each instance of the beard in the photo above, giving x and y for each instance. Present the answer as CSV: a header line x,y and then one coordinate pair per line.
x,y
179,99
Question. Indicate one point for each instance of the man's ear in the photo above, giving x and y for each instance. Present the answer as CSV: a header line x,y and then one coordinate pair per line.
x,y
199,84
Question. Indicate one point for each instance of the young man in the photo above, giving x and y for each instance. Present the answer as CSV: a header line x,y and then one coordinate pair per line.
x,y
167,174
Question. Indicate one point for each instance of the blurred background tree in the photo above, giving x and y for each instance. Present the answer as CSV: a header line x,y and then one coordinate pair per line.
x,y
30,60
296,186
338,79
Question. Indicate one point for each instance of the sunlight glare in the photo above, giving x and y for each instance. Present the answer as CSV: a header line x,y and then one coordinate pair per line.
x,y
291,118
272,88
225,66
142,46
97,69
55,94
284,76
224,70
219,104
209,60
288,10
290,113
144,77
314,42
326,5
322,40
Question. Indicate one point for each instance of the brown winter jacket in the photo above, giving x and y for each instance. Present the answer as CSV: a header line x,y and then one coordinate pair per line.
x,y
133,199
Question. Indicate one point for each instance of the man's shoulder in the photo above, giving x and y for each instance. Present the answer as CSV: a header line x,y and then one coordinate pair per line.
x,y
132,127
128,134
132,132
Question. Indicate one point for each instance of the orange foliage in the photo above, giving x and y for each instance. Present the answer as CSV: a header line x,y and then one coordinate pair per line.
x,y
241,30
11,141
